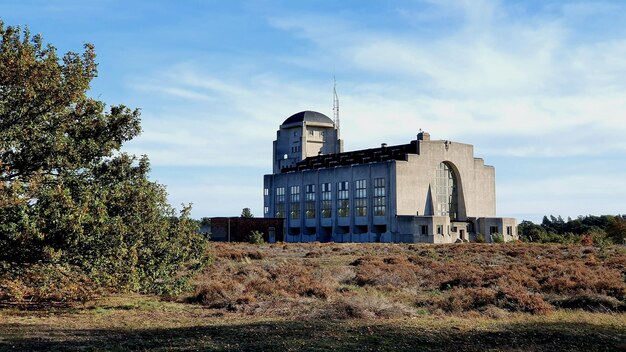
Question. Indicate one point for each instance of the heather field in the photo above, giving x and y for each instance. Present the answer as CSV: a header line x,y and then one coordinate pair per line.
x,y
366,297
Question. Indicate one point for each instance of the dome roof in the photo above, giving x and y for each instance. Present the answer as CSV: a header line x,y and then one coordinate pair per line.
x,y
308,116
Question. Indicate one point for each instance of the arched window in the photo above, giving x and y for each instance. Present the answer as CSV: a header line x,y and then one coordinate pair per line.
x,y
447,200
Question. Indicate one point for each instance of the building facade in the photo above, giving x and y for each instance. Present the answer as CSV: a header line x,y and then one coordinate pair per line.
x,y
432,191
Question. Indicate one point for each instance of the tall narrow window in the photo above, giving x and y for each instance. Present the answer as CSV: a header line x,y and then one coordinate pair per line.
x,y
279,202
295,202
447,200
309,205
379,197
342,199
326,206
360,197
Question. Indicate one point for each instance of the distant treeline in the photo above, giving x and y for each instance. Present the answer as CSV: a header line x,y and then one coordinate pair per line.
x,y
589,229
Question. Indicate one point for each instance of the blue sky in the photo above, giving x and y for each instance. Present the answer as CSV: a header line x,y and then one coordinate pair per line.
x,y
538,87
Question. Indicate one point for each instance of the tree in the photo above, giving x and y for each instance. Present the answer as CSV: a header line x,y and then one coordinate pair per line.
x,y
205,221
67,193
256,237
616,230
531,232
246,213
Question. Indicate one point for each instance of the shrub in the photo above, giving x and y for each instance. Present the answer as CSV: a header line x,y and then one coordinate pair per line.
x,y
586,240
256,237
497,238
480,238
573,277
218,294
516,298
588,301
313,254
464,299
45,285
363,307
390,273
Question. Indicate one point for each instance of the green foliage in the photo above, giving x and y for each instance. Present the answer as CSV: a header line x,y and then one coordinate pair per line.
x,y
256,237
205,221
480,238
603,230
497,238
67,195
529,231
616,230
246,213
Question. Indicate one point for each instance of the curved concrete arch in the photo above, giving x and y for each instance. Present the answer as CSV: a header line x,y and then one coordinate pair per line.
x,y
458,184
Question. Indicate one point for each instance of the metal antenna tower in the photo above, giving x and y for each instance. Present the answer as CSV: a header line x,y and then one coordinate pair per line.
x,y
335,105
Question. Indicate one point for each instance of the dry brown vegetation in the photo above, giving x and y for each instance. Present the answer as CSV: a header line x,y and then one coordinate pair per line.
x,y
45,286
365,297
389,280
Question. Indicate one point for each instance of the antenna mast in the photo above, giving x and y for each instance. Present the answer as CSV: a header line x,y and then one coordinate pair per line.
x,y
336,105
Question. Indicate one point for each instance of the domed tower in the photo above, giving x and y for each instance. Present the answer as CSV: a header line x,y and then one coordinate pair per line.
x,y
305,134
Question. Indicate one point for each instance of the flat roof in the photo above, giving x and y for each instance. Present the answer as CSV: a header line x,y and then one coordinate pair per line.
x,y
363,156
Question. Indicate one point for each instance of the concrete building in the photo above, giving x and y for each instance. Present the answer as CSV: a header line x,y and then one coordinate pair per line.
x,y
432,191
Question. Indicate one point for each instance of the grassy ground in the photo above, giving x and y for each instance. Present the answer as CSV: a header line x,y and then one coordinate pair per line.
x,y
318,297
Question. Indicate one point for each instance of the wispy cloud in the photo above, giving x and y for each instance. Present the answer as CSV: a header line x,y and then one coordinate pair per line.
x,y
495,74
512,80
213,119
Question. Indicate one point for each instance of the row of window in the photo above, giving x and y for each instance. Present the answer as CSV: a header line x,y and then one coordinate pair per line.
x,y
492,230
311,133
316,132
342,197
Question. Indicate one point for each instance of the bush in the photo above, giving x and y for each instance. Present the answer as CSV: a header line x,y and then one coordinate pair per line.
x,y
464,299
480,238
42,285
256,237
589,301
360,307
517,298
497,238
586,240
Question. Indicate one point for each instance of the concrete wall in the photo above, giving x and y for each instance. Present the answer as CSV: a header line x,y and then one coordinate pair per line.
x,y
416,180
506,227
295,141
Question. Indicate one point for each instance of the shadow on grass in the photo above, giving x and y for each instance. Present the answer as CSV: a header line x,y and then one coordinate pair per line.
x,y
317,336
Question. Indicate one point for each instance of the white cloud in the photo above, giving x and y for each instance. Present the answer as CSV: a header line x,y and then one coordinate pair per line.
x,y
494,75
206,119
508,82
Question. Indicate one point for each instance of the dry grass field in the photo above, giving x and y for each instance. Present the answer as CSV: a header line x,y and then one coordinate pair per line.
x,y
365,297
